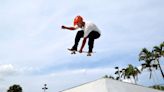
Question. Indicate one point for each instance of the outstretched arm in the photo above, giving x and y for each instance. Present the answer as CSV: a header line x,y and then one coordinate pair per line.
x,y
69,28
83,44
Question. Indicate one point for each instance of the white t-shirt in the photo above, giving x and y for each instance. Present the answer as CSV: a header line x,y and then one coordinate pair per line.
x,y
89,27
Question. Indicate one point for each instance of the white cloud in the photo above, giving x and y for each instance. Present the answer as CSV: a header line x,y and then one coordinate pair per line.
x,y
6,71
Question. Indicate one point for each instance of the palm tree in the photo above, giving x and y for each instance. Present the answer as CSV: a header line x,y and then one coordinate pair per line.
x,y
118,72
111,77
158,52
125,74
134,72
147,56
15,88
130,71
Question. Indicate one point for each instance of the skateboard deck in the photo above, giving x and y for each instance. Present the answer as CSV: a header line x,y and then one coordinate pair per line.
x,y
74,51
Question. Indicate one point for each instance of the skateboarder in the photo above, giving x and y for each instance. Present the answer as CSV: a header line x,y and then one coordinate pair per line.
x,y
88,31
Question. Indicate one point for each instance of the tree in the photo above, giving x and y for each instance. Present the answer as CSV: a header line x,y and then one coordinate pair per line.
x,y
134,72
125,73
111,77
118,72
129,72
147,56
158,52
106,76
15,88
159,87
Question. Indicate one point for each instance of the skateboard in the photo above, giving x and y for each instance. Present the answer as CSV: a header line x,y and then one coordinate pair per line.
x,y
74,52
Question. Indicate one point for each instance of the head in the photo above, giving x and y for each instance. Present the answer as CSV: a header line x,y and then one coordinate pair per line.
x,y
79,21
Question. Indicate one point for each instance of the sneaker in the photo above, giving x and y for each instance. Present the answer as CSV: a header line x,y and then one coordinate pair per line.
x,y
89,54
73,49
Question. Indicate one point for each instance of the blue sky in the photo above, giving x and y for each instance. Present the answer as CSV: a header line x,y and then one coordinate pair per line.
x,y
33,48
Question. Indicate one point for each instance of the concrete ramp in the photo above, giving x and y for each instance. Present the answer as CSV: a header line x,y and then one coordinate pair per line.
x,y
109,85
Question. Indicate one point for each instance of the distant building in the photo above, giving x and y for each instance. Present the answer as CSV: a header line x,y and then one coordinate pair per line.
x,y
109,85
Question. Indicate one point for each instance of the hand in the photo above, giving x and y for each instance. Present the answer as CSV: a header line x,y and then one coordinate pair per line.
x,y
63,27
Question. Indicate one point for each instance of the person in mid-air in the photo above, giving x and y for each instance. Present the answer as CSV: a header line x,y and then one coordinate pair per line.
x,y
88,31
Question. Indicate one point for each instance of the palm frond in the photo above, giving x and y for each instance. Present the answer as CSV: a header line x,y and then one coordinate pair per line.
x,y
116,72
